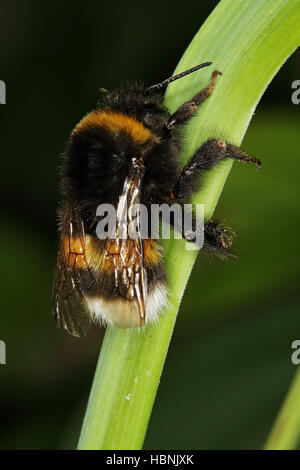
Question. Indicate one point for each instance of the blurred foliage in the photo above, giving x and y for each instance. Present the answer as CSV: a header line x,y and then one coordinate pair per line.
x,y
229,364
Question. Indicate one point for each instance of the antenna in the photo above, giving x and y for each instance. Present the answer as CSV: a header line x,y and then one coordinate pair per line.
x,y
179,75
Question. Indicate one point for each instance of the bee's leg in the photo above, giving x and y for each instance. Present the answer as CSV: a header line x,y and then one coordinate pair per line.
x,y
212,236
205,158
218,238
188,109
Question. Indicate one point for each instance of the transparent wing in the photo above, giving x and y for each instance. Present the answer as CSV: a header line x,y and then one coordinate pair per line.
x,y
72,276
125,248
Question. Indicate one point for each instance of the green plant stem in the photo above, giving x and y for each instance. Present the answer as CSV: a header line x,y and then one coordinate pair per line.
x,y
285,434
247,41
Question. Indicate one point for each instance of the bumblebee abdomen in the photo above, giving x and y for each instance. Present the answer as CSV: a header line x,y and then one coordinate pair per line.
x,y
114,298
124,313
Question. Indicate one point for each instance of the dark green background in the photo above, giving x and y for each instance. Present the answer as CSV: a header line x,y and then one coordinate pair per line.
x,y
229,366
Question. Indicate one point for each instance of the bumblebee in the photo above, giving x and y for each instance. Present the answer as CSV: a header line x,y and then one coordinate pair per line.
x,y
127,151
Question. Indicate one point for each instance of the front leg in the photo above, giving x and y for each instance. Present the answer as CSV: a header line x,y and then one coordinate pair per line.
x,y
205,158
188,109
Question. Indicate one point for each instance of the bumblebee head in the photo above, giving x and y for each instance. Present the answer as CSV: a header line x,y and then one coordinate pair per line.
x,y
143,103
134,100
